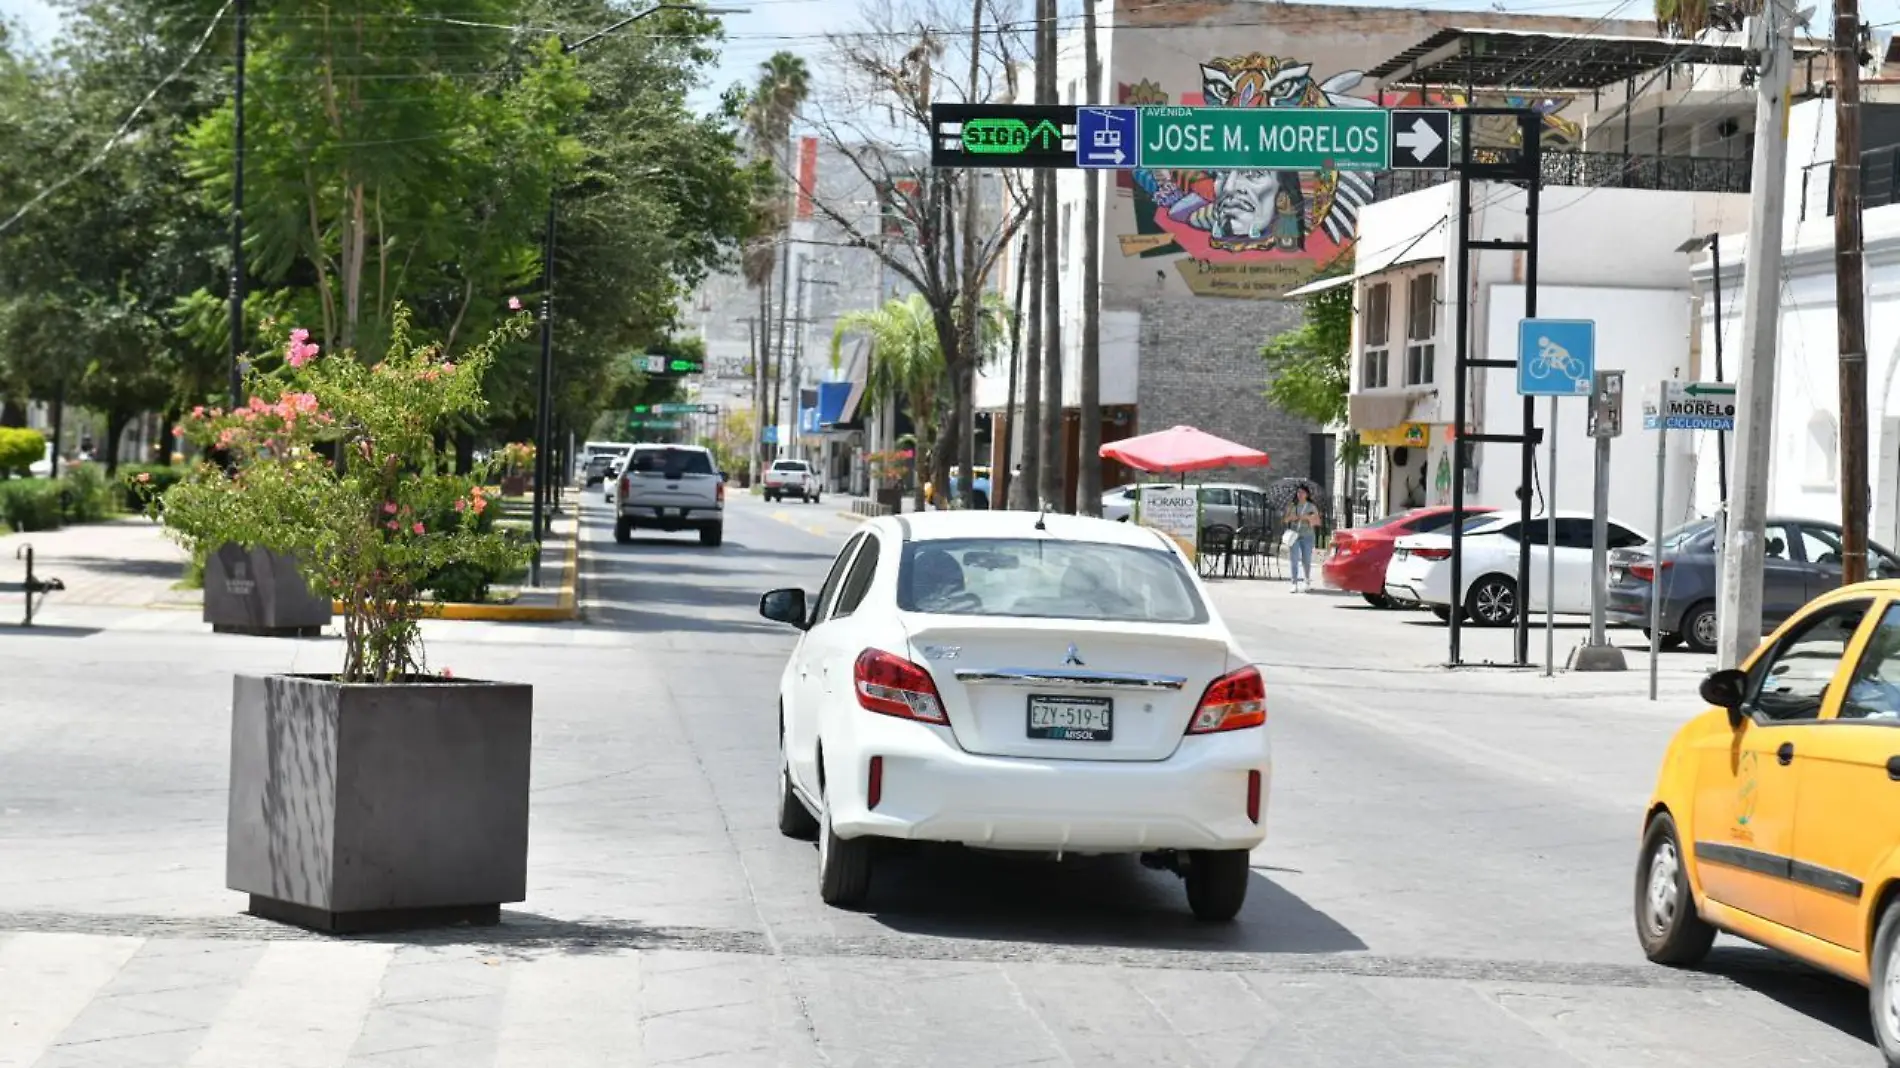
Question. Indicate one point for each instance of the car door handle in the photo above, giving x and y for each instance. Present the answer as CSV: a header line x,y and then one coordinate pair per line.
x,y
1893,768
1786,753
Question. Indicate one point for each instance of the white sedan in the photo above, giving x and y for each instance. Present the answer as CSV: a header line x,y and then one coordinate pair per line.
x,y
1053,685
1420,570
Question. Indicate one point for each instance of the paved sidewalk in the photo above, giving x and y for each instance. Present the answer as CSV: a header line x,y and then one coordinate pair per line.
x,y
120,563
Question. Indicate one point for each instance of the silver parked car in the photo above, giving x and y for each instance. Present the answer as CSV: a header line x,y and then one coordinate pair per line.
x,y
1221,502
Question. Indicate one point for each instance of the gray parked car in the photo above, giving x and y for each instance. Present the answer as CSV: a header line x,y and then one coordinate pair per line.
x,y
1803,560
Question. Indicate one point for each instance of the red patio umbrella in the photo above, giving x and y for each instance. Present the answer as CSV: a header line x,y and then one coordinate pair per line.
x,y
1182,449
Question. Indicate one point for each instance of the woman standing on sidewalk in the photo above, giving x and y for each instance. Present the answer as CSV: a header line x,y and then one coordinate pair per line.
x,y
1302,522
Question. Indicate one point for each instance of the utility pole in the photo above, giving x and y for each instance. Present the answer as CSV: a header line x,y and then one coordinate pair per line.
x,y
1850,291
1088,454
1739,609
1054,453
753,338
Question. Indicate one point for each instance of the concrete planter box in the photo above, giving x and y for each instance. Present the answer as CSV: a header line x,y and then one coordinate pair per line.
x,y
378,807
514,485
256,591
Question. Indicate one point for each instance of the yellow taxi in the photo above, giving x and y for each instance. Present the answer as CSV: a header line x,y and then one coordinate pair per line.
x,y
1776,817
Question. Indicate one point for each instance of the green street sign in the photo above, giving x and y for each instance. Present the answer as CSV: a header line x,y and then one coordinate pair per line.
x,y
1002,135
684,409
1709,389
668,365
653,424
1267,139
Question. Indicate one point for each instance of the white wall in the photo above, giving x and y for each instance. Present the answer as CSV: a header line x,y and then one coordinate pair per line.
x,y
1640,332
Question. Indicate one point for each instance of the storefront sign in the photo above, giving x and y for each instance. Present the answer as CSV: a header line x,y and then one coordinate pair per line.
x,y
1174,511
1408,435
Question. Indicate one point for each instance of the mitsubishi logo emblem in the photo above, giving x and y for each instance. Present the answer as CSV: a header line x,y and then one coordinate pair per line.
x,y
1074,657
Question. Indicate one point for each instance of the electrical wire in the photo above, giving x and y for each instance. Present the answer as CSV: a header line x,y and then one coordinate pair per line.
x,y
124,127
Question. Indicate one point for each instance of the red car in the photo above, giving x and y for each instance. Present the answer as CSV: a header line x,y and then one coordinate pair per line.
x,y
1359,555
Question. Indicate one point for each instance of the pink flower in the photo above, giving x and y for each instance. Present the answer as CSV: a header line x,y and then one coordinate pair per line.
x,y
393,525
514,303
298,355
417,528
225,437
389,507
448,367
460,504
198,412
299,336
145,476
481,505
178,431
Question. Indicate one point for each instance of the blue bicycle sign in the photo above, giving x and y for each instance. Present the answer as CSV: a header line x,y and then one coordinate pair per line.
x,y
1556,357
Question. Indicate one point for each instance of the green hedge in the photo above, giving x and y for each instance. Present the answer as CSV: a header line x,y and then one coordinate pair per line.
x,y
20,449
30,504
84,494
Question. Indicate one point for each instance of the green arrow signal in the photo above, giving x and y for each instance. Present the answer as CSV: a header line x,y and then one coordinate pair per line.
x,y
1697,389
1044,131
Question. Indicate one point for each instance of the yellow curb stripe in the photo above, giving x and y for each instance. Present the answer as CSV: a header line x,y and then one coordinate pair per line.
x,y
563,609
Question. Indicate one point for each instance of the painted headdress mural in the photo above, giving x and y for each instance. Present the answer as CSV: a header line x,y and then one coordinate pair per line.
x,y
1260,233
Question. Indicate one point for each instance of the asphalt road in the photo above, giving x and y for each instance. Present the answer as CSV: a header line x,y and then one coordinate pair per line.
x,y
1447,880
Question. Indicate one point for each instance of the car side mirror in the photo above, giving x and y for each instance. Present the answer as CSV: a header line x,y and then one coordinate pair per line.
x,y
1727,689
786,606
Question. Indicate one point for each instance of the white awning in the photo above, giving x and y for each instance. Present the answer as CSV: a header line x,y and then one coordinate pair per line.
x,y
1429,245
1323,285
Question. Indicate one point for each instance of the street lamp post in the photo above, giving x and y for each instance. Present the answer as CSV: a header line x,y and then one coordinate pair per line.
x,y
543,414
237,217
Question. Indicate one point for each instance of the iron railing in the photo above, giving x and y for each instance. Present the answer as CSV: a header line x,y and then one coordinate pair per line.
x,y
1615,170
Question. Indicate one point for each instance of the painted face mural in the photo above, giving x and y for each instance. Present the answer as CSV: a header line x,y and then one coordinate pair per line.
x,y
1259,233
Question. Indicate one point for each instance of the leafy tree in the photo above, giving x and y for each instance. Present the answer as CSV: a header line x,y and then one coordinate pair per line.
x,y
1309,371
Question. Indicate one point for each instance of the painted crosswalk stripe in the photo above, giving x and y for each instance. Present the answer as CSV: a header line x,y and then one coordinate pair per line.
x,y
46,980
300,1007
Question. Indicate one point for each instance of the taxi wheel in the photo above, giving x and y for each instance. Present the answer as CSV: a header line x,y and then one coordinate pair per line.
x,y
1380,600
1217,883
1667,924
1884,991
794,819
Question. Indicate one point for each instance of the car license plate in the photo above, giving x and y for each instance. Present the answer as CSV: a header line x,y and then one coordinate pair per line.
x,y
1072,719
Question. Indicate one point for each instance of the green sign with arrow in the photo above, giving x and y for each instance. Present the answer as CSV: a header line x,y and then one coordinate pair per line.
x,y
1002,135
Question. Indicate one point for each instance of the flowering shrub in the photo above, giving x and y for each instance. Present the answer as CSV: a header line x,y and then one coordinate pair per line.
x,y
516,458
333,463
893,466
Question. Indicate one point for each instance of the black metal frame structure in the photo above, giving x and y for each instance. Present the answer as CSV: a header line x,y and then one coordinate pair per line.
x,y
1518,163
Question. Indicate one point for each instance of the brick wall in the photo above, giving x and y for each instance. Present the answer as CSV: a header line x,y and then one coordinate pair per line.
x,y
1201,367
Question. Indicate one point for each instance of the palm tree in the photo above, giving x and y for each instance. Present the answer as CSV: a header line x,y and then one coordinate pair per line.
x,y
784,84
1686,19
907,361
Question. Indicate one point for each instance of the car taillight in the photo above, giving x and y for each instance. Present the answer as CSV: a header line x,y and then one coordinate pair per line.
x,y
1253,796
719,493
893,686
626,486
1231,702
1432,554
1647,572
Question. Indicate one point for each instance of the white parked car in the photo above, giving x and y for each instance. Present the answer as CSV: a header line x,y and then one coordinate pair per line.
x,y
1222,503
1057,685
1420,570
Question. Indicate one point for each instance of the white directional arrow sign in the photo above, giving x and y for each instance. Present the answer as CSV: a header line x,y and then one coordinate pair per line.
x,y
1421,140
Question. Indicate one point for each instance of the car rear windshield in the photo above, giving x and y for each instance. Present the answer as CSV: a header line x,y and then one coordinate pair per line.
x,y
1047,579
671,462
789,465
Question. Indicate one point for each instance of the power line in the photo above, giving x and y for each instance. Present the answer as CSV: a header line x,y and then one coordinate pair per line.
x,y
124,127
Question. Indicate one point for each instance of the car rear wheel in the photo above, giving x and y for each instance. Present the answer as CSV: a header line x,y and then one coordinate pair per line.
x,y
623,530
1492,602
1669,641
844,865
1443,612
1700,629
1217,883
1884,990
1377,600
1667,924
711,536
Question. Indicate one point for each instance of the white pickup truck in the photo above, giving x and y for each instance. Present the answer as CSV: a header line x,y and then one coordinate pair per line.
x,y
791,478
672,488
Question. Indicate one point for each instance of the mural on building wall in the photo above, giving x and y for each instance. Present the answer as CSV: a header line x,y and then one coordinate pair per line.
x,y
1260,233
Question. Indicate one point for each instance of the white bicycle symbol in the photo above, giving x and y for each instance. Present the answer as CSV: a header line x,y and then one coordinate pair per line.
x,y
1554,357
